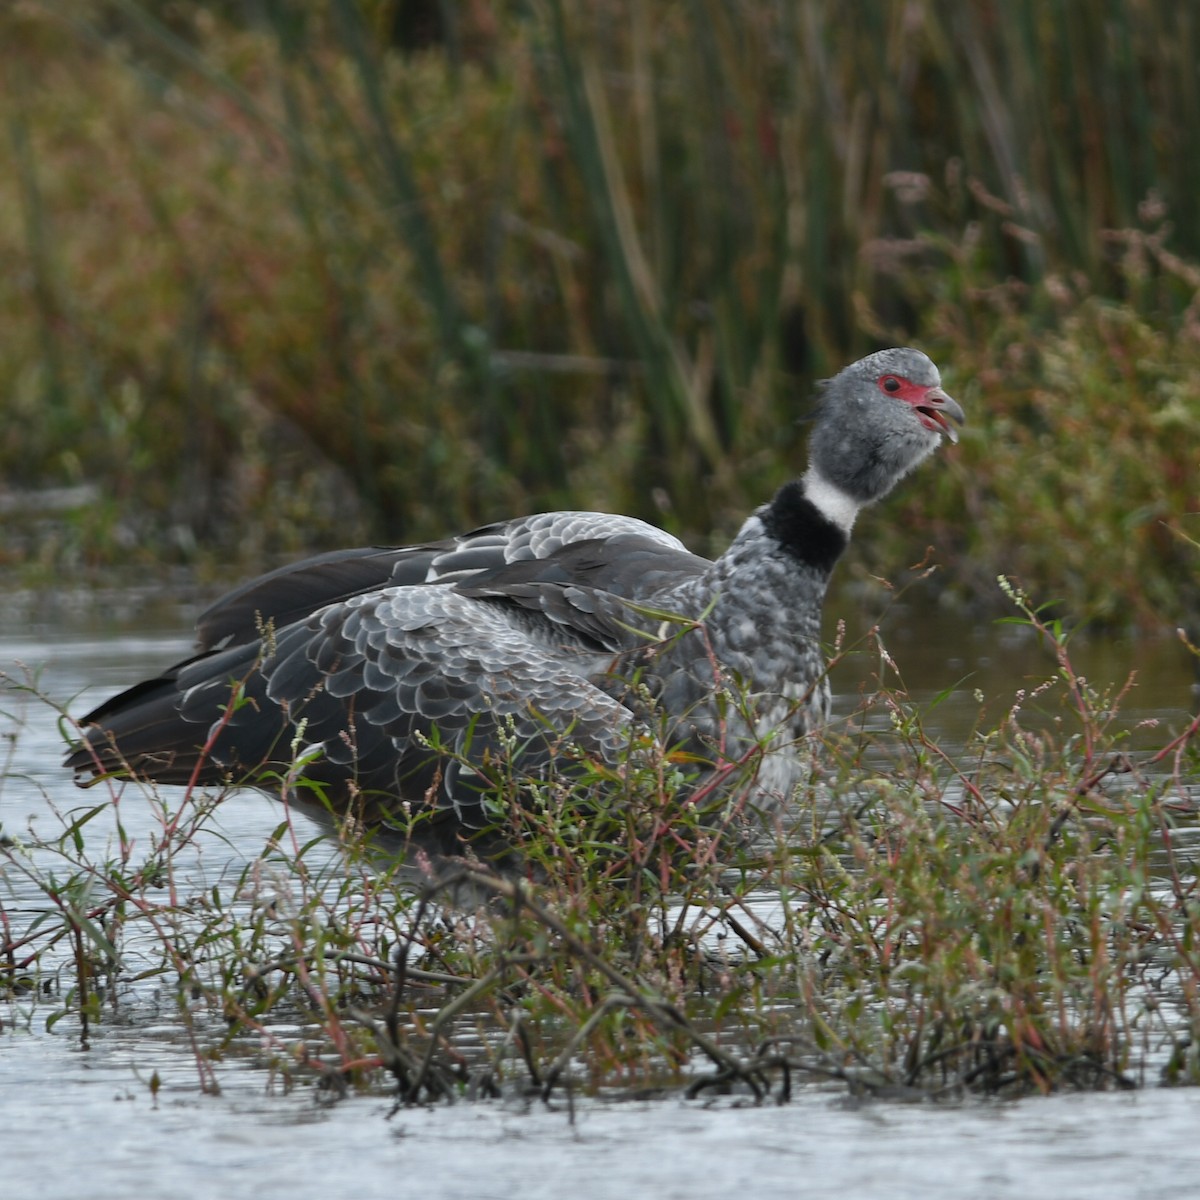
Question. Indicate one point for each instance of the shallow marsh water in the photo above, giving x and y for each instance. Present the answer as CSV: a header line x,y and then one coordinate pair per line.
x,y
75,1121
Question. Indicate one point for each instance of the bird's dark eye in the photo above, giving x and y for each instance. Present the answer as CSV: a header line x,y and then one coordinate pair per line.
x,y
891,383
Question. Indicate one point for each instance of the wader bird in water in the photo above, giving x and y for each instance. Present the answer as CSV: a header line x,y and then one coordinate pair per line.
x,y
398,675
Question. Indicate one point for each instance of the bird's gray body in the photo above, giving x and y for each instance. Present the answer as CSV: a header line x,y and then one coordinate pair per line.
x,y
397,676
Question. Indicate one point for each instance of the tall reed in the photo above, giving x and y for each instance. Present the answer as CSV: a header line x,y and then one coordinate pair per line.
x,y
299,282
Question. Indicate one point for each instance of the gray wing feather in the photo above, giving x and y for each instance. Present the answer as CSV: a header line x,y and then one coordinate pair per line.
x,y
291,593
537,537
393,667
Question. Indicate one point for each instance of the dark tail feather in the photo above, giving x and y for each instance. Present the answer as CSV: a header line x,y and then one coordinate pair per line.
x,y
183,727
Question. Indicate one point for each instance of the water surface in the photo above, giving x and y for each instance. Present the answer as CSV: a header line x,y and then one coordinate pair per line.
x,y
76,1121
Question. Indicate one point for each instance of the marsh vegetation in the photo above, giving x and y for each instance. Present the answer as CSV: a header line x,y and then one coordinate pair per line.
x,y
286,277
1014,911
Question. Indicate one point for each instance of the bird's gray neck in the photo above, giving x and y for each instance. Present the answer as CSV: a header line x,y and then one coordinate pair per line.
x,y
777,567
760,604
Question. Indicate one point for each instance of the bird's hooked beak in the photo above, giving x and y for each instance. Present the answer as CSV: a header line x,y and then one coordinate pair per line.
x,y
935,406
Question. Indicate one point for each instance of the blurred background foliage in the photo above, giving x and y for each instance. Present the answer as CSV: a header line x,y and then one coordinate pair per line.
x,y
278,275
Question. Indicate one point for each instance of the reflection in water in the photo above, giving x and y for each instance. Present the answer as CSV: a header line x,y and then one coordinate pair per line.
x,y
943,655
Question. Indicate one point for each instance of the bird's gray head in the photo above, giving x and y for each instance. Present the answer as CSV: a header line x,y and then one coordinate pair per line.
x,y
877,419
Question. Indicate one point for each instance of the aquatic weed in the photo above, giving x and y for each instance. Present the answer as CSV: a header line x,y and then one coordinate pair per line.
x,y
1016,914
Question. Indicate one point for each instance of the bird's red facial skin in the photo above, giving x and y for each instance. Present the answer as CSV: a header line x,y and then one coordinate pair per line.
x,y
915,394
